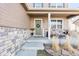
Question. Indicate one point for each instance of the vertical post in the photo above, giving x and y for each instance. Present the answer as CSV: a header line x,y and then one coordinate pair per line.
x,y
49,25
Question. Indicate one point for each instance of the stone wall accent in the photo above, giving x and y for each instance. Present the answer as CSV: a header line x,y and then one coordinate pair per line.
x,y
11,40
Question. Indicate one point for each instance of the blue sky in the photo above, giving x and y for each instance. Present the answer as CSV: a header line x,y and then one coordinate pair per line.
x,y
73,5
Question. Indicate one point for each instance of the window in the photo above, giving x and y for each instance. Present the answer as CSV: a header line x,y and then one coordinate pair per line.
x,y
53,24
56,5
37,5
60,5
53,5
56,24
59,24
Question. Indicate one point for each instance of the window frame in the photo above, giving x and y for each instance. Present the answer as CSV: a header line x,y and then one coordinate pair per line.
x,y
56,19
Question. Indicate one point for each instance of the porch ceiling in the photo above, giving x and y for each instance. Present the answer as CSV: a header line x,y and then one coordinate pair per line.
x,y
52,15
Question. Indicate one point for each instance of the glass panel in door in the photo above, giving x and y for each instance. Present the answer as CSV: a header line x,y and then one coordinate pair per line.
x,y
38,30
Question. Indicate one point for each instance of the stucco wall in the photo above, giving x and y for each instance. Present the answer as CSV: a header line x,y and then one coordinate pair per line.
x,y
13,15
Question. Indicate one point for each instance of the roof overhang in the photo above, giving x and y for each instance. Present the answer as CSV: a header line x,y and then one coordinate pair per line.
x,y
35,12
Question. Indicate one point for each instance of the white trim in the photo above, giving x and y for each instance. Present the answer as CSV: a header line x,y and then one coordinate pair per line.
x,y
49,25
41,26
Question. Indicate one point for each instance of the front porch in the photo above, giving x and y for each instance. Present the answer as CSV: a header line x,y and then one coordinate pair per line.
x,y
47,24
18,40
32,45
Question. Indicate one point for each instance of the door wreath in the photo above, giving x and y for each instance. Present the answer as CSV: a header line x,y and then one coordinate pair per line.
x,y
37,25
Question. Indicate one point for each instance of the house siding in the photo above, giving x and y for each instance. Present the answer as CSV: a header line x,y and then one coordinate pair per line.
x,y
13,15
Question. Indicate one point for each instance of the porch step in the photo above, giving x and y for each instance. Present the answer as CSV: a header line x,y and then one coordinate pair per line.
x,y
33,45
39,40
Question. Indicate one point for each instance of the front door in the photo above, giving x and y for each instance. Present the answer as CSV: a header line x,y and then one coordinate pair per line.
x,y
38,27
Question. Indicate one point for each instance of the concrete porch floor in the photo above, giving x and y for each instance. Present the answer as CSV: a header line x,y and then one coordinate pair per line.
x,y
39,39
32,45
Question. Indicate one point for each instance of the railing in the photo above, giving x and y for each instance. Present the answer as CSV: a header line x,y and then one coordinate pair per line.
x,y
11,39
48,5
